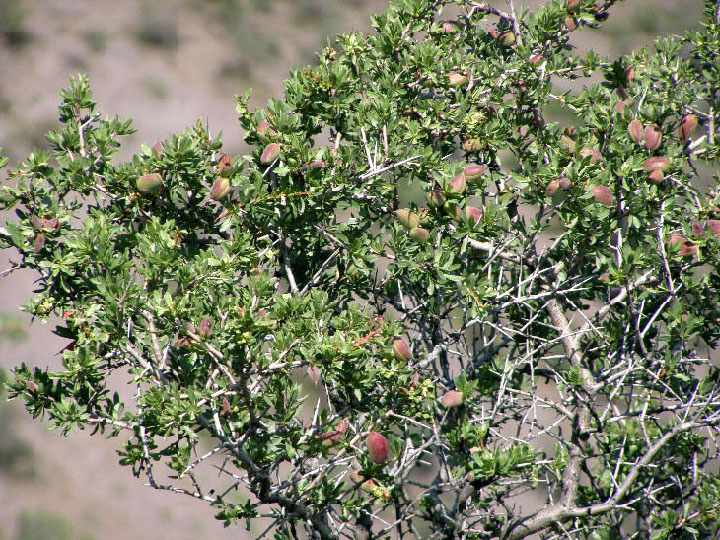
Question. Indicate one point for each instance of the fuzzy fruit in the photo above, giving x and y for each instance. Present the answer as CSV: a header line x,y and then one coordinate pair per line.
x,y
407,218
656,162
573,6
698,228
314,373
570,23
552,187
564,183
204,328
629,73
602,195
453,210
224,166
419,234
436,198
687,125
317,164
450,27
592,153
270,153
150,183
457,79
472,172
401,351
220,188
635,130
472,213
507,38
567,143
714,225
356,478
452,398
457,184
656,176
653,137
378,447
472,144
264,128
38,242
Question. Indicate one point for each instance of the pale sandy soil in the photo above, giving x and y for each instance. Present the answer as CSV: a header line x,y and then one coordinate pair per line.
x,y
164,89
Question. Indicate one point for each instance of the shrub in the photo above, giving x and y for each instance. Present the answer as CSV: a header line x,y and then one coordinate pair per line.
x,y
512,307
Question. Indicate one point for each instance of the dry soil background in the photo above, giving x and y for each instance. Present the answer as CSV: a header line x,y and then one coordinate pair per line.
x,y
164,64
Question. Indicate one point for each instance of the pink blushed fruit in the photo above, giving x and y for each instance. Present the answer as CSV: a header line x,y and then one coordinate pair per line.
x,y
407,218
698,228
472,213
314,373
687,125
204,328
472,172
457,79
436,198
420,234
602,195
378,447
452,398
150,183
270,153
401,351
653,137
656,162
592,153
635,130
220,188
458,183
714,225
656,176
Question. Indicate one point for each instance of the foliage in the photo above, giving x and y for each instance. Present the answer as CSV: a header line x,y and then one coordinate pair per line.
x,y
412,249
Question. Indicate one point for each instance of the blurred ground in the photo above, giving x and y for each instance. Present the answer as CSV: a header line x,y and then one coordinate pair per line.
x,y
163,64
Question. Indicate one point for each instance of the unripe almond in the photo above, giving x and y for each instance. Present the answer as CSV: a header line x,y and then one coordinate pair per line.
x,y
150,183
507,38
317,164
270,153
472,213
635,130
38,242
436,198
453,210
656,162
407,218
204,328
224,166
452,398
457,79
688,248
420,234
570,23
573,6
401,351
629,73
687,125
356,478
714,225
457,184
653,137
368,486
472,172
220,188
37,222
424,215
602,195
656,176
52,224
472,145
552,187
567,143
592,153
564,183
378,447
264,128
450,27
698,228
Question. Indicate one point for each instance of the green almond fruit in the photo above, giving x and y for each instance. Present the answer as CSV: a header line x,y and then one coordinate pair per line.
x,y
436,198
150,183
457,79
656,162
635,130
457,184
270,154
687,125
452,398
653,137
407,218
220,188
472,172
602,195
507,38
420,234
